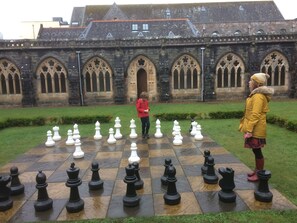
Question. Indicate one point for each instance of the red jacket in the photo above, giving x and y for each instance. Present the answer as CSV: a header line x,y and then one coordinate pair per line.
x,y
141,105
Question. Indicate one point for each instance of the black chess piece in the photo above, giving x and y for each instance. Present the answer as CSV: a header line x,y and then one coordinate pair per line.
x,y
164,177
191,127
262,193
139,183
16,187
210,177
206,154
96,183
75,203
130,199
43,202
171,197
5,200
227,185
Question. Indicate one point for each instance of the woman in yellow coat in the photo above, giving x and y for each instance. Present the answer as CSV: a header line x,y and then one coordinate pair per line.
x,y
253,123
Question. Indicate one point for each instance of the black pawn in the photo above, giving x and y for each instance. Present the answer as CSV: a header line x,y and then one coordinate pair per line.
x,y
206,154
75,203
139,183
191,127
210,177
43,202
171,197
227,185
16,187
5,200
96,183
130,199
164,177
262,193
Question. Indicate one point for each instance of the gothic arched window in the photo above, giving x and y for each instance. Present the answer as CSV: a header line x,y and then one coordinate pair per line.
x,y
185,73
10,78
52,77
229,71
97,76
276,65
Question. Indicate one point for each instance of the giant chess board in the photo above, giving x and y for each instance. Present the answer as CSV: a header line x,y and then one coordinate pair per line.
x,y
197,197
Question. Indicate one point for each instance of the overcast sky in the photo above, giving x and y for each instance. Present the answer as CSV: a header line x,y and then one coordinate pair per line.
x,y
15,11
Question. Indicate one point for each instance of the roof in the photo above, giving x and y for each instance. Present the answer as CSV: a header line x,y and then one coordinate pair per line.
x,y
250,11
147,21
139,29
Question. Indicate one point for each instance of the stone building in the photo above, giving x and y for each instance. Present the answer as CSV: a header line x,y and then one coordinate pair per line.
x,y
176,52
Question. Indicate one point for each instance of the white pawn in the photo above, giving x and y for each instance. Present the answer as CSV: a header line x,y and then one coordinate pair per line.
x,y
177,137
69,141
75,133
49,142
175,125
198,135
56,136
97,135
158,133
78,153
111,139
133,133
194,128
117,127
133,157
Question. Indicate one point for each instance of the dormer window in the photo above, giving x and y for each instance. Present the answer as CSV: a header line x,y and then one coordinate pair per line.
x,y
134,27
168,14
145,27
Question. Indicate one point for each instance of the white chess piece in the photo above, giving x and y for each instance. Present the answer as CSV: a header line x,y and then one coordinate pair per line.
x,y
133,133
49,142
198,135
78,153
177,137
117,127
97,135
158,133
175,125
133,157
56,136
111,139
69,141
75,133
194,128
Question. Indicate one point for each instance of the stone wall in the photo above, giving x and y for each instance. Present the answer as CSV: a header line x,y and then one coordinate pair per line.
x,y
161,55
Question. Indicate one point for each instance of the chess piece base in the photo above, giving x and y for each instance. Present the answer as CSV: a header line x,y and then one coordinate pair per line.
x,y
17,190
227,197
138,184
172,199
263,196
6,205
210,179
96,185
131,201
43,205
204,169
74,207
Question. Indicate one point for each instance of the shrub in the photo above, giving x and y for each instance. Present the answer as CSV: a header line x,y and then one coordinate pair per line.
x,y
225,115
175,116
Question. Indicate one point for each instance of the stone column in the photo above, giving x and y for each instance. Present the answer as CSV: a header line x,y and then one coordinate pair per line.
x,y
119,86
164,75
28,90
73,80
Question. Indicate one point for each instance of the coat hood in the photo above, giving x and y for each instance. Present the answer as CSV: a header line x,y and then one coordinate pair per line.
x,y
267,91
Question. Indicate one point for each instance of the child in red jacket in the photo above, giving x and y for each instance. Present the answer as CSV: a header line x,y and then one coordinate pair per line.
x,y
142,107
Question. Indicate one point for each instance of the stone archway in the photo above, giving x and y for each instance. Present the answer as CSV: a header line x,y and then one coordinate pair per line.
x,y
141,76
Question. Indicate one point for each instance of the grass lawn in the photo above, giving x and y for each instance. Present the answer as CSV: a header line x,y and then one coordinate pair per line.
x,y
280,152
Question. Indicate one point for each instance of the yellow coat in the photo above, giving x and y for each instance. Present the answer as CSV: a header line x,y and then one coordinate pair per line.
x,y
256,107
